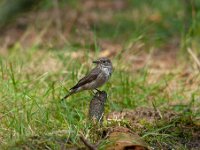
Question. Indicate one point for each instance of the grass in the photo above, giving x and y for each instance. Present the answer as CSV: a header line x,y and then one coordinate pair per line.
x,y
34,78
31,92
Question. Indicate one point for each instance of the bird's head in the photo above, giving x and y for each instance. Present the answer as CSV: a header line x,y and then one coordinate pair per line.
x,y
103,62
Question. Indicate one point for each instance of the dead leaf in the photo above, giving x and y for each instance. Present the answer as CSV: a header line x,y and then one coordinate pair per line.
x,y
122,138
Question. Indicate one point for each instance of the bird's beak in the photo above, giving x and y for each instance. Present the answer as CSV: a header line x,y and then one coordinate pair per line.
x,y
96,61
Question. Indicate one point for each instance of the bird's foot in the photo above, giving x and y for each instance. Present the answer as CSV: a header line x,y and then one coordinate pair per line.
x,y
98,91
93,92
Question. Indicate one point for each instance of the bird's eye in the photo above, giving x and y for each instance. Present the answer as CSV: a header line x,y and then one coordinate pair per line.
x,y
104,61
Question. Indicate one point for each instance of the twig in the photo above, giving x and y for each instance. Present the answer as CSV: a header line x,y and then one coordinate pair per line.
x,y
87,143
194,57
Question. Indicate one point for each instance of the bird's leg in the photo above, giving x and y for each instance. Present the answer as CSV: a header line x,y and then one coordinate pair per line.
x,y
98,90
93,92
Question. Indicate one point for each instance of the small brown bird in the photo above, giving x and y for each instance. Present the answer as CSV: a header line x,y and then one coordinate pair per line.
x,y
96,78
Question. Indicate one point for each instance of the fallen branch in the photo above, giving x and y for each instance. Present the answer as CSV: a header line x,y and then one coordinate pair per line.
x,y
87,143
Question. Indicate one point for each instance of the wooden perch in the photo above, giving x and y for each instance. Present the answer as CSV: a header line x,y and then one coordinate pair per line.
x,y
96,109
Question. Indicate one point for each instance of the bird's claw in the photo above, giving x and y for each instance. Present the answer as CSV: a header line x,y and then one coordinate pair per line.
x,y
95,92
98,90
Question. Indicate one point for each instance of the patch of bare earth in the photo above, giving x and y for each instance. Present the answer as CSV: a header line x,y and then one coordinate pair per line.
x,y
139,115
187,132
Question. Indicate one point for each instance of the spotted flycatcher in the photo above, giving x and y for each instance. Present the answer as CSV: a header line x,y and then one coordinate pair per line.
x,y
96,78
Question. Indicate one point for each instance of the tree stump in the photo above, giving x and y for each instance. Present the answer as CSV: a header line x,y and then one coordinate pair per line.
x,y
96,109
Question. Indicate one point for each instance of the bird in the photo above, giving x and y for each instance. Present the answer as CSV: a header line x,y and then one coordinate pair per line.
x,y
97,77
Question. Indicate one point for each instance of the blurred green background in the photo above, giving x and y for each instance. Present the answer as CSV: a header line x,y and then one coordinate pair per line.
x,y
161,23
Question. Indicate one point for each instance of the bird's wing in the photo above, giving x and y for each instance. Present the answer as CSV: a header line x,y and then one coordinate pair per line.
x,y
87,79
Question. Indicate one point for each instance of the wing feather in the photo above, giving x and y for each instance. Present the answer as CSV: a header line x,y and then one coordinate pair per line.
x,y
87,79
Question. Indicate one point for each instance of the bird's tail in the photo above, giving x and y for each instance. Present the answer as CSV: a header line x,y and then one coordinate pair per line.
x,y
66,96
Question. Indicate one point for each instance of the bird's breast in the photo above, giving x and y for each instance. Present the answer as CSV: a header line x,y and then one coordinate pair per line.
x,y
107,72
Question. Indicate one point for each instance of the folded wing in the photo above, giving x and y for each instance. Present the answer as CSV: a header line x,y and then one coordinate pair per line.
x,y
87,79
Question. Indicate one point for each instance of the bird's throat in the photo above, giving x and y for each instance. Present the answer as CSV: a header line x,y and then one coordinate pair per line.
x,y
106,70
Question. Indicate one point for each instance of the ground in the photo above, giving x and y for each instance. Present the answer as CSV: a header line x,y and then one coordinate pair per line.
x,y
154,90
